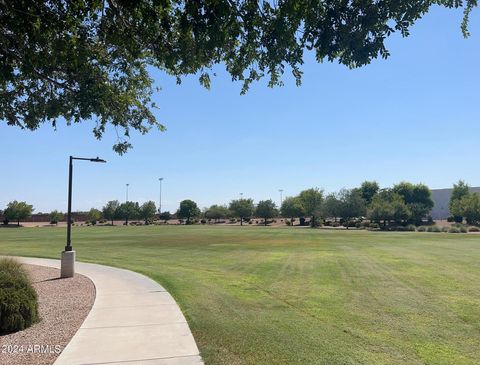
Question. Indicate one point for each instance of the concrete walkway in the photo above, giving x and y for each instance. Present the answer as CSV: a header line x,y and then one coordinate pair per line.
x,y
134,321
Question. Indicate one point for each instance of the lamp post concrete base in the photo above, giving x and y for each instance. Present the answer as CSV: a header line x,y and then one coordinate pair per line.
x,y
67,269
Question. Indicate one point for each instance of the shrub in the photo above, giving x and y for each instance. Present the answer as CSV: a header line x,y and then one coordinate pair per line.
x,y
434,229
203,221
287,222
422,229
474,229
18,299
335,224
445,229
461,227
374,226
450,219
454,229
411,228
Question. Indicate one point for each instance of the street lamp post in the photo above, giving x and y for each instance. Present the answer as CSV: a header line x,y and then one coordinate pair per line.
x,y
281,196
68,255
126,195
160,197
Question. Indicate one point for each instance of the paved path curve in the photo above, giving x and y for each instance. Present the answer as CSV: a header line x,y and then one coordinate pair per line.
x,y
134,321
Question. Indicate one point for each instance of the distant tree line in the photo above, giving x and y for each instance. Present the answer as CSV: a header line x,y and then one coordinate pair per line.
x,y
402,204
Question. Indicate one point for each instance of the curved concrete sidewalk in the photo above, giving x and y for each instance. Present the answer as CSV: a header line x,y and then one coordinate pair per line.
x,y
134,321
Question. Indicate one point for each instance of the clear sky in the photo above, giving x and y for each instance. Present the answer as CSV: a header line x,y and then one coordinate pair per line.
x,y
414,117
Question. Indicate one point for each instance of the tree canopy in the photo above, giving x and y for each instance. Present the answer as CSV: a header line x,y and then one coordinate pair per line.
x,y
418,199
291,208
242,208
111,210
217,212
147,211
368,190
89,59
128,210
459,191
311,201
188,209
55,216
17,211
94,215
387,206
352,205
266,209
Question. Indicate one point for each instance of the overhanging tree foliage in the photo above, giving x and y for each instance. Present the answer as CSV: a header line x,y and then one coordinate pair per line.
x,y
89,59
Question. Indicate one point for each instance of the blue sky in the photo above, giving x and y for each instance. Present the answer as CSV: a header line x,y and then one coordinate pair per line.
x,y
413,117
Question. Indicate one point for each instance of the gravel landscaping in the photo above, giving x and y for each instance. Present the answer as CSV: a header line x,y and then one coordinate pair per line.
x,y
63,306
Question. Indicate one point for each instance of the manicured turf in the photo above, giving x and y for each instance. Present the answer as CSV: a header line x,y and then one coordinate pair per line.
x,y
299,296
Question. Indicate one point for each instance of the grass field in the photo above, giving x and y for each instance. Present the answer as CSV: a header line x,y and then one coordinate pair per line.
x,y
299,296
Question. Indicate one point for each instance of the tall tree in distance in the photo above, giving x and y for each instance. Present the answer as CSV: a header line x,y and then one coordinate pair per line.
x,y
55,216
418,199
188,209
332,206
94,215
352,205
311,201
129,210
470,205
368,190
89,60
242,208
266,209
147,211
292,208
110,211
17,211
388,206
460,190
217,212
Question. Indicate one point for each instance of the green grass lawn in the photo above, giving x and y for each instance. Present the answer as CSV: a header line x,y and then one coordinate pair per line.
x,y
299,296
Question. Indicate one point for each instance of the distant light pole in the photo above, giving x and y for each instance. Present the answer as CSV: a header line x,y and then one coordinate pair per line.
x,y
126,195
160,179
68,255
281,196
241,196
